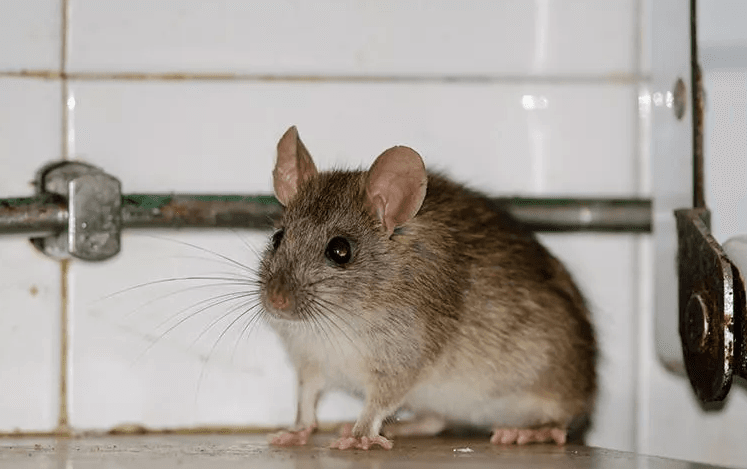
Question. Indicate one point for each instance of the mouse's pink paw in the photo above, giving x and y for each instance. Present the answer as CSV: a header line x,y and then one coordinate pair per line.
x,y
364,442
292,438
522,436
346,430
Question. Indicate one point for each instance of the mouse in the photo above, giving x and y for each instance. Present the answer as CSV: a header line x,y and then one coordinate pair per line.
x,y
411,291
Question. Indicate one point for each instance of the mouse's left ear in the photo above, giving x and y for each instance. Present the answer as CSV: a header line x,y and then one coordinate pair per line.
x,y
292,167
395,186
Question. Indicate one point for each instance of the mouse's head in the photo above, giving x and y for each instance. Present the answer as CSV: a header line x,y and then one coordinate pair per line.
x,y
332,251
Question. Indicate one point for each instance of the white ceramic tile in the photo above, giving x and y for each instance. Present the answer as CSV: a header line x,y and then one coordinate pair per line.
x,y
605,268
30,37
722,38
725,149
721,23
29,132
29,337
671,161
645,25
220,137
129,368
444,37
29,282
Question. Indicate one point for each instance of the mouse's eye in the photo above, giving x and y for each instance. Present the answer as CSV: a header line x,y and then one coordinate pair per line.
x,y
277,237
339,250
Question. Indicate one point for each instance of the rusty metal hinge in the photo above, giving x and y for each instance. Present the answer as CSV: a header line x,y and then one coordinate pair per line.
x,y
712,308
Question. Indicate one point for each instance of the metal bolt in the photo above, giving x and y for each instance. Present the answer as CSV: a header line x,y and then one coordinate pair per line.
x,y
680,99
697,322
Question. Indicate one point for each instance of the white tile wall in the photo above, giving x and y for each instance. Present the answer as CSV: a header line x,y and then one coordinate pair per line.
x,y
671,167
726,150
225,137
514,38
488,135
30,35
128,366
29,283
513,97
722,23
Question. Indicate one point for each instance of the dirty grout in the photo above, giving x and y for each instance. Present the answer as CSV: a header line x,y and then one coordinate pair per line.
x,y
615,78
62,418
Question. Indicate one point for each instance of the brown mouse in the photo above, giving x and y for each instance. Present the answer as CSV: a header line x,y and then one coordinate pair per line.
x,y
413,292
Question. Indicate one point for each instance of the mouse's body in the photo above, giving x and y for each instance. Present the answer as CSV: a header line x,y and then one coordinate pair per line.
x,y
411,291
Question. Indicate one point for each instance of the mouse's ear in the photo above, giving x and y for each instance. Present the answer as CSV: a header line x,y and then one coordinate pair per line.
x,y
292,167
395,186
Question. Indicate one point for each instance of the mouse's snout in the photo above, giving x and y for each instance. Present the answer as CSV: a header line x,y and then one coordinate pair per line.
x,y
280,299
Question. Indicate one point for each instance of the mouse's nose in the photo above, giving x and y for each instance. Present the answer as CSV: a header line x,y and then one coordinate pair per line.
x,y
279,297
279,300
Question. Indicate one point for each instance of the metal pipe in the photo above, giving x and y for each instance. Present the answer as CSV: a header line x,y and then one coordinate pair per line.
x,y
33,215
597,215
199,211
48,213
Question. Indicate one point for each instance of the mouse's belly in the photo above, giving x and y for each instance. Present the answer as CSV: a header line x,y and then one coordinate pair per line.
x,y
464,402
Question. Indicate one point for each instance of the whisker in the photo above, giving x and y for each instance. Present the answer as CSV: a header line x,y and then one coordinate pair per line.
x,y
253,319
328,317
164,333
217,320
246,244
332,307
333,310
252,270
210,353
181,290
209,251
242,281
216,300
315,321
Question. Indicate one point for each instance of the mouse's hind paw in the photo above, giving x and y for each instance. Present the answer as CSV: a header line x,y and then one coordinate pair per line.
x,y
364,442
522,436
291,437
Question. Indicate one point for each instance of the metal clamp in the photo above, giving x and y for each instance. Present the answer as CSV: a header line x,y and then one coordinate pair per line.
x,y
79,211
93,217
712,308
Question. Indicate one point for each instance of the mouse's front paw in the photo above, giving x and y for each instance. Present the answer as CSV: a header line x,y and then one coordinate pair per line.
x,y
292,437
364,442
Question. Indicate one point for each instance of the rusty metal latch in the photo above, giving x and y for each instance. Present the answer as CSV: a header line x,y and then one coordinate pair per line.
x,y
712,308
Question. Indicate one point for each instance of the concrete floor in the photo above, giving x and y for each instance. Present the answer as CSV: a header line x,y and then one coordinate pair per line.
x,y
250,451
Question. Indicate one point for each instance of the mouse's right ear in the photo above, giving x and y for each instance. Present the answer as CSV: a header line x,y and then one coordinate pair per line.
x,y
292,167
395,186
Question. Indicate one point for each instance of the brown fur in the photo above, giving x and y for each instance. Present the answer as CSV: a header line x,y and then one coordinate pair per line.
x,y
461,293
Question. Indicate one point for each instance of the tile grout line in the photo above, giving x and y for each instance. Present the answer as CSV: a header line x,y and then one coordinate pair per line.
x,y
611,79
636,261
62,422
644,319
